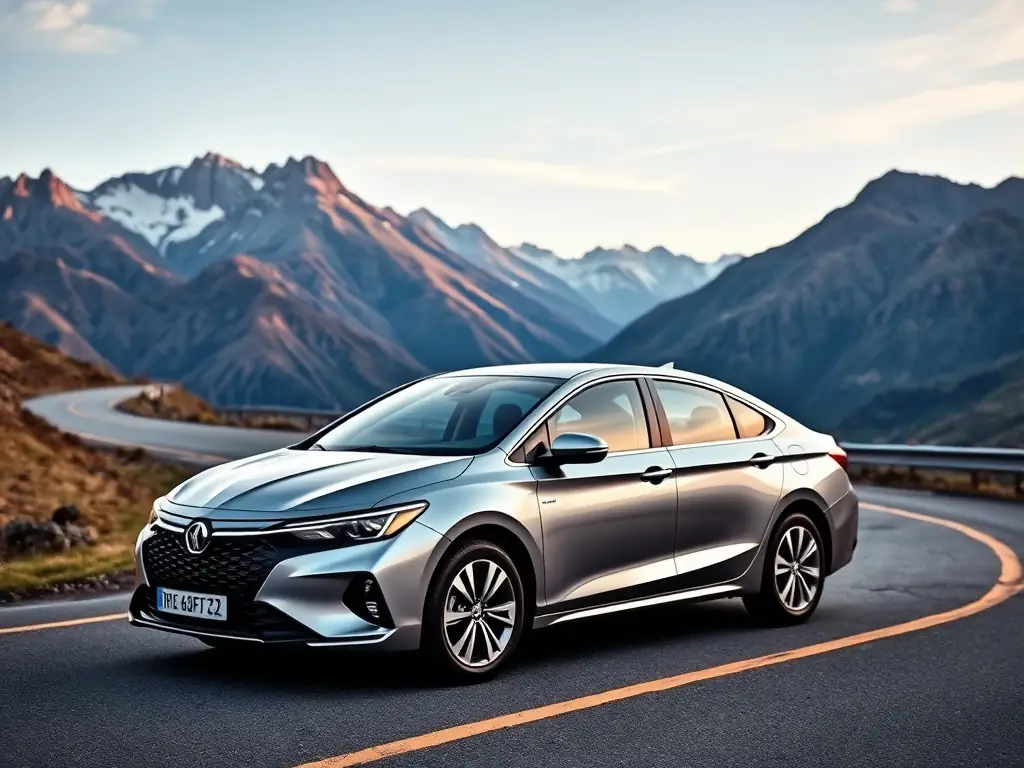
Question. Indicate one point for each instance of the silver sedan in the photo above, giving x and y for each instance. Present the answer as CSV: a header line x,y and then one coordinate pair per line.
x,y
454,513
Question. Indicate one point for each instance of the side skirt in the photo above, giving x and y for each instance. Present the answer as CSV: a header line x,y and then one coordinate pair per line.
x,y
585,613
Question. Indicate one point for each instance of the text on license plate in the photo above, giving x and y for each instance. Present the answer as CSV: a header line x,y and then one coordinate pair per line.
x,y
198,605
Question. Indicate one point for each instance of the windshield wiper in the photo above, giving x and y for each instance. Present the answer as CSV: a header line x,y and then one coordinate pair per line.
x,y
317,447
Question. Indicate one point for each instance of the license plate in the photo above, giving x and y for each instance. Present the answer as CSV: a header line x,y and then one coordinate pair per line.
x,y
194,604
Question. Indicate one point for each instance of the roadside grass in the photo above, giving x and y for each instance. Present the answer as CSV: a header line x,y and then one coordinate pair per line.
x,y
42,469
985,484
40,571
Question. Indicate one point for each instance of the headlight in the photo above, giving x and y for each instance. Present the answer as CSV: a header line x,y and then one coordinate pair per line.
x,y
378,524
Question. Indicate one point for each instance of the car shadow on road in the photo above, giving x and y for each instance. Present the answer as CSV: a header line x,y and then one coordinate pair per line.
x,y
311,671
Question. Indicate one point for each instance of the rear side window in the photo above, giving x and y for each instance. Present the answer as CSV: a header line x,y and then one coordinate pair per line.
x,y
749,423
695,415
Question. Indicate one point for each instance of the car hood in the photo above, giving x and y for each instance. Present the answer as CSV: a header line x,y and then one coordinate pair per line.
x,y
293,483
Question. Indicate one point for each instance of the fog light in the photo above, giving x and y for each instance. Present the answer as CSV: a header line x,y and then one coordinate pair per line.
x,y
366,600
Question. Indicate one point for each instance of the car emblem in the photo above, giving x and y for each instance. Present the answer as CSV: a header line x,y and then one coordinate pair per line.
x,y
197,538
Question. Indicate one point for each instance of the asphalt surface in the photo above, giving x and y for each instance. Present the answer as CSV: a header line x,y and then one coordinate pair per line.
x,y
90,413
952,695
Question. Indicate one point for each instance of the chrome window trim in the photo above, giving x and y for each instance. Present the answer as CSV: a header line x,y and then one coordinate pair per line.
x,y
635,377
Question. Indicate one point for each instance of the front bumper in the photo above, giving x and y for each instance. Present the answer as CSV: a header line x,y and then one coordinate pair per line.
x,y
280,592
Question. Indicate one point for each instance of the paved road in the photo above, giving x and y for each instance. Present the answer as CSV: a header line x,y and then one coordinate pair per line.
x,y
90,413
952,695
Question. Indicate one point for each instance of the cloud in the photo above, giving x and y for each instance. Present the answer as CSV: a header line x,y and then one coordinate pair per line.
x,y
539,134
888,121
697,143
900,6
985,38
530,171
65,25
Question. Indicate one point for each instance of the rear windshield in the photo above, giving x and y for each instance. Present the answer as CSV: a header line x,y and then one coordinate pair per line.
x,y
452,415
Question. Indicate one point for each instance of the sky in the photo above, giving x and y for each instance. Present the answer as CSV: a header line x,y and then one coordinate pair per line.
x,y
707,127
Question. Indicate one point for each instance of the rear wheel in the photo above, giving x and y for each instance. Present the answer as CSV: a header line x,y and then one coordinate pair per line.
x,y
474,612
793,575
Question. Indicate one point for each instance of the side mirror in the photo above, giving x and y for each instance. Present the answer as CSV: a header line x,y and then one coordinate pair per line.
x,y
575,448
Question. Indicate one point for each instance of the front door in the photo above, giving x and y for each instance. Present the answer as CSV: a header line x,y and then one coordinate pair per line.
x,y
609,528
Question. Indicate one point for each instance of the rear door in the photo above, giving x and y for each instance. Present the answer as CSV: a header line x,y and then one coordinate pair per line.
x,y
727,478
609,528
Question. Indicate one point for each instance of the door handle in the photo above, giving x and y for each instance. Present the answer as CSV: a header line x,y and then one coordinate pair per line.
x,y
762,460
655,475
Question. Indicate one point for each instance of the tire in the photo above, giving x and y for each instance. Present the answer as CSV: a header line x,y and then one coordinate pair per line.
x,y
475,646
783,599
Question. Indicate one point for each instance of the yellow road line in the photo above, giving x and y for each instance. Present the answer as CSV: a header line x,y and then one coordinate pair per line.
x,y
60,624
1009,583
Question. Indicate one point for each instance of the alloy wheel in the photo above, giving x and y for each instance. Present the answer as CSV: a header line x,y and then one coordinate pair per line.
x,y
797,568
479,613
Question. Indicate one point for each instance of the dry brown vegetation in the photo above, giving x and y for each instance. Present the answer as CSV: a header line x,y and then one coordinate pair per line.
x,y
995,485
178,404
42,468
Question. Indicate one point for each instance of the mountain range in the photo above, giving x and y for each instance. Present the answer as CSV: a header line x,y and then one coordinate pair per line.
x,y
898,316
281,287
628,282
916,279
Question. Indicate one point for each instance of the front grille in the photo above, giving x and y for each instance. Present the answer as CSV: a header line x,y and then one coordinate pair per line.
x,y
235,567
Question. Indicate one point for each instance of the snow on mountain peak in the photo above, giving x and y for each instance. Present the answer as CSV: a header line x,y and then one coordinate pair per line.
x,y
161,220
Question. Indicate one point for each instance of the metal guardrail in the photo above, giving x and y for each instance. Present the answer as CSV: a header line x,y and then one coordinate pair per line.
x,y
957,458
279,410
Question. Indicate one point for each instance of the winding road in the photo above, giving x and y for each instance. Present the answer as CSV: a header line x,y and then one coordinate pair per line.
x,y
915,657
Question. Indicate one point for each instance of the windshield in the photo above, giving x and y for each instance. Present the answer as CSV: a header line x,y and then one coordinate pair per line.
x,y
452,415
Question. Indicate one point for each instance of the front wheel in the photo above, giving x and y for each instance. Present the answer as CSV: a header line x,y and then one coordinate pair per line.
x,y
475,612
793,576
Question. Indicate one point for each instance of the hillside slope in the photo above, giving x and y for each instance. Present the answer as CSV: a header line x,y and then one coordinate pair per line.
x,y
985,407
275,288
916,277
42,469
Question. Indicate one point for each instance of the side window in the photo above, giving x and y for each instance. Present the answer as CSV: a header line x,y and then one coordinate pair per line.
x,y
613,411
749,422
695,414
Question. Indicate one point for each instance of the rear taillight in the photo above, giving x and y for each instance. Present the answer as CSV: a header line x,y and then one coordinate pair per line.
x,y
838,455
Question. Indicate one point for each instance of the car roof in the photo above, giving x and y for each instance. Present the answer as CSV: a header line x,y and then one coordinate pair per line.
x,y
552,370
